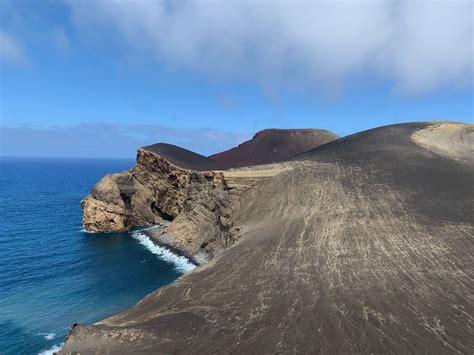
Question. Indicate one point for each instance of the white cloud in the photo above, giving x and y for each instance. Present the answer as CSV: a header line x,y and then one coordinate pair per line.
x,y
432,45
11,51
417,45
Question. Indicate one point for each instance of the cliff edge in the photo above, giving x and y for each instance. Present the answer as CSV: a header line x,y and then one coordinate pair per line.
x,y
194,205
183,191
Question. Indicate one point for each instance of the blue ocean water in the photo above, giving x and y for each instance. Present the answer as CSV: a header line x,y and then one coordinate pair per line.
x,y
53,274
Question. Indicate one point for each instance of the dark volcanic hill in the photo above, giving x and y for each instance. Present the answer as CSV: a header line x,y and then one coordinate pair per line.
x,y
267,146
184,158
363,245
170,183
272,145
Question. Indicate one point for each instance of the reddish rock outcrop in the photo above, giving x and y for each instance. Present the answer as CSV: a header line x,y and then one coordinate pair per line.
x,y
273,145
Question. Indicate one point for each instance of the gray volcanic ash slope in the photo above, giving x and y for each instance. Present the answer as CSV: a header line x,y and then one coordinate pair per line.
x,y
364,246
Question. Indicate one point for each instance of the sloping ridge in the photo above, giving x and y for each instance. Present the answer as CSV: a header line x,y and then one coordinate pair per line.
x,y
267,146
273,145
183,158
365,246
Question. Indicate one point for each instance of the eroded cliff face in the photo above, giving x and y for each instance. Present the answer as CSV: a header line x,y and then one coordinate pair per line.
x,y
193,205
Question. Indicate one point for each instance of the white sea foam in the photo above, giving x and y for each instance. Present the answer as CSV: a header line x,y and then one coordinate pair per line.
x,y
50,336
83,230
52,350
181,263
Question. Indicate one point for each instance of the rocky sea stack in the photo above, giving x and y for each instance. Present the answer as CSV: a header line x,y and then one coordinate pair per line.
x,y
360,245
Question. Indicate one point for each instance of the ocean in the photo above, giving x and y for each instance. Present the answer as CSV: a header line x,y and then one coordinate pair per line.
x,y
52,273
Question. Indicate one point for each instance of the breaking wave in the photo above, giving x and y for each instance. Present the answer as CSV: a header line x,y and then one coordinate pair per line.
x,y
181,263
52,350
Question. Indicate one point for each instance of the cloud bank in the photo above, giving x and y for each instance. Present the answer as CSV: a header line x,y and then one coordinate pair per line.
x,y
109,140
417,46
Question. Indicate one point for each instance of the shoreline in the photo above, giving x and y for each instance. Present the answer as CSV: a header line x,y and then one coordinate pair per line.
x,y
182,262
146,231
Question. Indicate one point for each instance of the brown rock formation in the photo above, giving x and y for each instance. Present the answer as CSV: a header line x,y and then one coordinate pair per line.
x,y
156,191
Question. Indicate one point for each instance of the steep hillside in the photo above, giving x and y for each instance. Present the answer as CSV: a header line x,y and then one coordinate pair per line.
x,y
363,245
183,158
273,145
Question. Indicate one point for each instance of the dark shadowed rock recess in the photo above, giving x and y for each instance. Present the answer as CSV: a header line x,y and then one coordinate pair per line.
x,y
362,245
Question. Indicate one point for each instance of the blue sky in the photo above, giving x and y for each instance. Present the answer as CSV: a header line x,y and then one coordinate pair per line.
x,y
101,78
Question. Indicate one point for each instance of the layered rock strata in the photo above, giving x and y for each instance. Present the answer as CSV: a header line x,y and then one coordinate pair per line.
x,y
196,205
